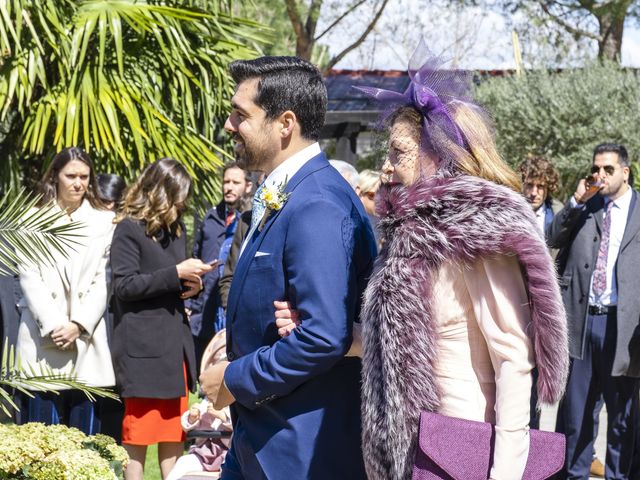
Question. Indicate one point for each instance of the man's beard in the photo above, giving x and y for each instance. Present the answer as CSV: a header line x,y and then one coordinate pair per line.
x,y
254,153
236,204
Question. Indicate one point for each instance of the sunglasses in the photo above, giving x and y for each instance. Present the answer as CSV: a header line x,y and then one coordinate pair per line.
x,y
608,169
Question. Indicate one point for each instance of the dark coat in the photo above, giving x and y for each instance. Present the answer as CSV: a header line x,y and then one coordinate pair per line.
x,y
230,265
151,337
576,232
206,247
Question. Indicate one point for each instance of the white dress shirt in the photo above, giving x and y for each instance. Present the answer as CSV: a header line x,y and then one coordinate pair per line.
x,y
541,216
285,172
619,214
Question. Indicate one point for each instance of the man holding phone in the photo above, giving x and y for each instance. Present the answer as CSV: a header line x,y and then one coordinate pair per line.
x,y
598,234
211,244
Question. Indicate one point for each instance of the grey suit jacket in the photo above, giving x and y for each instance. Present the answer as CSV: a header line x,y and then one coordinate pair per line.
x,y
576,232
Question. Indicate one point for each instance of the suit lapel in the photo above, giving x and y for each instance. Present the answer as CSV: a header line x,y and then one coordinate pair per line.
x,y
548,214
633,221
597,212
246,259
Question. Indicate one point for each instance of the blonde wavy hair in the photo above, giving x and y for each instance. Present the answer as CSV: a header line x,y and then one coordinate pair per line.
x,y
481,158
369,181
158,197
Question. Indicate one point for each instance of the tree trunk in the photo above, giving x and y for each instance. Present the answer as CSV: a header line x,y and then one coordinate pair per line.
x,y
611,24
610,45
304,47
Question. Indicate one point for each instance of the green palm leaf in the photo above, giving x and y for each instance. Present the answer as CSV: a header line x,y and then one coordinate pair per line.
x,y
29,234
42,379
128,80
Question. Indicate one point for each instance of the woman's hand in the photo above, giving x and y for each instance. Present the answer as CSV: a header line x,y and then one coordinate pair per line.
x,y
192,287
192,268
286,318
65,335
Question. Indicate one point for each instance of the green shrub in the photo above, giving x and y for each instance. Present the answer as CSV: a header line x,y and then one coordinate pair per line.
x,y
564,115
57,452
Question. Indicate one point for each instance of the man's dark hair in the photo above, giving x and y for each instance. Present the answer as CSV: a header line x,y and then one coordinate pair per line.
x,y
623,156
111,187
230,165
287,83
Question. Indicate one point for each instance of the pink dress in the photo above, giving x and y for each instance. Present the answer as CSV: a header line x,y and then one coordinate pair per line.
x,y
210,451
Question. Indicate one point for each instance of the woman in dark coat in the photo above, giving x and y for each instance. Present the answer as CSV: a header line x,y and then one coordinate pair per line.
x,y
152,346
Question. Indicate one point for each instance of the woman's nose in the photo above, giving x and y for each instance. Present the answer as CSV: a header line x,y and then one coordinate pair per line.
x,y
387,168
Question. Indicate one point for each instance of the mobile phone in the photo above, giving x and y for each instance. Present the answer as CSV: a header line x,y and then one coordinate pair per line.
x,y
214,263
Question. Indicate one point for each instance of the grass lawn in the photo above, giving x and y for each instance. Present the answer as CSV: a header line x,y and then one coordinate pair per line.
x,y
151,467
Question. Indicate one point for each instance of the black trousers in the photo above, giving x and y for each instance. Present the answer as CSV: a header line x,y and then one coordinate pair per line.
x,y
589,380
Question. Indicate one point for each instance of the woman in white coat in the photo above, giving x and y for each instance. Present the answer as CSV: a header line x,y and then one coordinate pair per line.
x,y
62,323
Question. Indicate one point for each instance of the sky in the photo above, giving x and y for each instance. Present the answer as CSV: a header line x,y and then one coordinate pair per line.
x,y
484,39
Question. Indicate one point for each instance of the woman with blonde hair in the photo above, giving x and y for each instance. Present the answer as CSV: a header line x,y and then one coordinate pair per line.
x,y
153,349
62,324
368,183
462,304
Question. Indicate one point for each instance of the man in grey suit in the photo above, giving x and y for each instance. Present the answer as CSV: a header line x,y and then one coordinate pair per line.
x,y
598,234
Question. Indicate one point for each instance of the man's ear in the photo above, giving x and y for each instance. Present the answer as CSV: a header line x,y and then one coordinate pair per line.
x,y
288,122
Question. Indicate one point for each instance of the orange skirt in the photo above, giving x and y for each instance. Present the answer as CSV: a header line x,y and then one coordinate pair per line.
x,y
153,420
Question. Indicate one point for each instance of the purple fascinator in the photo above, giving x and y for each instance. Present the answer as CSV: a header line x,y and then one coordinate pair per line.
x,y
431,92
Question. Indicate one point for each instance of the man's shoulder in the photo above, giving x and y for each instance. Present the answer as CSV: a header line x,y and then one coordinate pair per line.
x,y
555,205
216,212
318,194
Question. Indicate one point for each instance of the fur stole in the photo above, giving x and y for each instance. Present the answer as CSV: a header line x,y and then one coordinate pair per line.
x,y
442,219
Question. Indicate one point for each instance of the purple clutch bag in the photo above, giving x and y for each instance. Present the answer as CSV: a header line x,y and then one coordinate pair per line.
x,y
456,449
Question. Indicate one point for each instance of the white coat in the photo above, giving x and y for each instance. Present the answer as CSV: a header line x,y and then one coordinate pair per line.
x,y
73,289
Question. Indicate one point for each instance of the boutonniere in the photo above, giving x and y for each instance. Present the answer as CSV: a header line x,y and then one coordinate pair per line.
x,y
274,197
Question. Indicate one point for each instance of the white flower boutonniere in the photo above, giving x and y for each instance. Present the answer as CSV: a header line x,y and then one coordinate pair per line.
x,y
274,198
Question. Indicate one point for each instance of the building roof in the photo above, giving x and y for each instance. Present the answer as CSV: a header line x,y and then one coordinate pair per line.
x,y
343,97
350,111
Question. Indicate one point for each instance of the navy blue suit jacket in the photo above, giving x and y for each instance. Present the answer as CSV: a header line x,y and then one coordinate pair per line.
x,y
206,247
298,398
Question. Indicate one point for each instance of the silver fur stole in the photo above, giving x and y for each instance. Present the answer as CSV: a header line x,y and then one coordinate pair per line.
x,y
436,220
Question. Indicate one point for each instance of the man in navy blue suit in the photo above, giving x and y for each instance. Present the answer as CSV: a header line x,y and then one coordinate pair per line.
x,y
296,400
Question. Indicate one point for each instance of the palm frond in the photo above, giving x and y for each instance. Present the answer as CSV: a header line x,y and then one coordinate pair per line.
x,y
127,80
42,379
32,235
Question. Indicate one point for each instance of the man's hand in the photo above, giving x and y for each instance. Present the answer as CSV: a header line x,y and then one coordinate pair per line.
x,y
65,335
212,383
587,190
356,344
